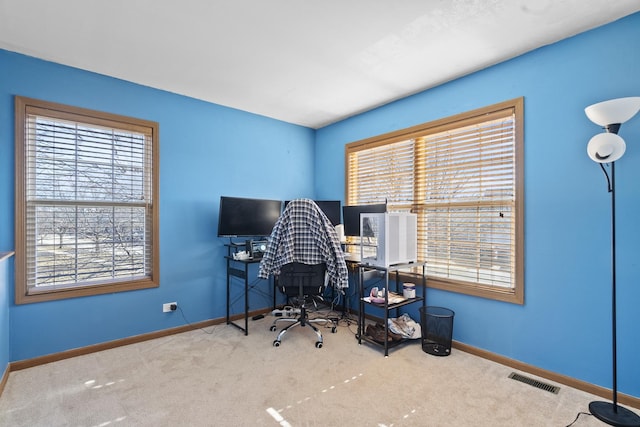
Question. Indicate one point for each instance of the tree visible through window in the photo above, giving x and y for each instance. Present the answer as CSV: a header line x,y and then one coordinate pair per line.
x,y
463,177
86,197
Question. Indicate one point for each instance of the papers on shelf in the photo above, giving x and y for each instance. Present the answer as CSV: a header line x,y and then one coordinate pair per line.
x,y
394,298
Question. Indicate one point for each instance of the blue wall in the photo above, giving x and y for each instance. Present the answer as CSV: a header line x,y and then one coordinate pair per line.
x,y
564,325
5,331
206,151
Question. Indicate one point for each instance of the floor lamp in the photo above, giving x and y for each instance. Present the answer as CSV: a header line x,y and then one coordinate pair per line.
x,y
606,148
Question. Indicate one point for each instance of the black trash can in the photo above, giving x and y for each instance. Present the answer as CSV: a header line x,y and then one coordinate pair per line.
x,y
437,330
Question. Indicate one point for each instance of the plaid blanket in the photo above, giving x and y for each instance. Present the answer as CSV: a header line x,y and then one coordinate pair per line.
x,y
304,234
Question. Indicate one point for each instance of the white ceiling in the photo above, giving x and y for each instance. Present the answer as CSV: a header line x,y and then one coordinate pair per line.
x,y
309,62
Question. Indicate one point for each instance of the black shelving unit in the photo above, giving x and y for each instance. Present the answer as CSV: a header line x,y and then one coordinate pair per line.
x,y
385,306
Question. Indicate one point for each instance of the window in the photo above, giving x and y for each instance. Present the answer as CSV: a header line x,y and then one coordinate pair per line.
x,y
463,177
86,202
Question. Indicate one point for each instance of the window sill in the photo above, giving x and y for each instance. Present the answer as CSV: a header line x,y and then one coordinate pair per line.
x,y
505,295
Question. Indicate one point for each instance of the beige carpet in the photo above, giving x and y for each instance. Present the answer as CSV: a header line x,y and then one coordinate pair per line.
x,y
223,378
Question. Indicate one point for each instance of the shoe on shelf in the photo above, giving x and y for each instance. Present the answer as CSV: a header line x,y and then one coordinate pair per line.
x,y
377,333
393,335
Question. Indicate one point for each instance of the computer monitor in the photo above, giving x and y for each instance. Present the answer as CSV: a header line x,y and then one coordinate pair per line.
x,y
331,209
245,217
351,216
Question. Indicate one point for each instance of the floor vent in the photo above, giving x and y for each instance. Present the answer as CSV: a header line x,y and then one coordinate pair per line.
x,y
535,383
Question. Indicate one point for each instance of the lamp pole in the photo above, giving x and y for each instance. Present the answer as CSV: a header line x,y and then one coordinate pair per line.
x,y
614,316
611,413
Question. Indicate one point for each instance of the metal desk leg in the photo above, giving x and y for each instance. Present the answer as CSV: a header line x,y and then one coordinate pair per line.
x,y
246,299
228,289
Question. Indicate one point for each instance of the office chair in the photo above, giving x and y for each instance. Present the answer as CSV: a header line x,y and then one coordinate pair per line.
x,y
301,283
303,240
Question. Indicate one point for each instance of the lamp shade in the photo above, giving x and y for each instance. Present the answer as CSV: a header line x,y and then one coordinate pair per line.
x,y
606,147
613,111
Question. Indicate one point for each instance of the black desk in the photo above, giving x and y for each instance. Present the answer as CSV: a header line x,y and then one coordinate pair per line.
x,y
240,269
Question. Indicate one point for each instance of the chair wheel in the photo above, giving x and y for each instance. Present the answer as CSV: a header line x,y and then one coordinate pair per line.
x,y
276,343
319,344
272,328
334,330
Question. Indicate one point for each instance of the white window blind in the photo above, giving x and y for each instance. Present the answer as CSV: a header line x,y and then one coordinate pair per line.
x,y
467,231
383,173
88,199
461,177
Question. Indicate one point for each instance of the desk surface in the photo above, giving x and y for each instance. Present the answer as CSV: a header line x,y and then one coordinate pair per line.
x,y
247,260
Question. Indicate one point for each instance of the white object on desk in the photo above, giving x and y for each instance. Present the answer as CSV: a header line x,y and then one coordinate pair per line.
x,y
242,255
409,290
352,256
340,233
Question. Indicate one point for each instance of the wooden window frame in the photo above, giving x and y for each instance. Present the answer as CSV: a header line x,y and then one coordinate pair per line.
x,y
515,107
25,293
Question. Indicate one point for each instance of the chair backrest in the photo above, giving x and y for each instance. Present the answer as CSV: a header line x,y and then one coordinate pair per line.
x,y
297,279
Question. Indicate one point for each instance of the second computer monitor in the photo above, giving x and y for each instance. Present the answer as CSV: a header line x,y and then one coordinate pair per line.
x,y
351,216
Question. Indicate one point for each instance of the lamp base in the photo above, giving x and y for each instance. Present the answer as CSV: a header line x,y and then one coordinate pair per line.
x,y
614,415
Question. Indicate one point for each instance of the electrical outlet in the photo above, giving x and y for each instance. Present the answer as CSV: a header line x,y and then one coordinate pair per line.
x,y
169,306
